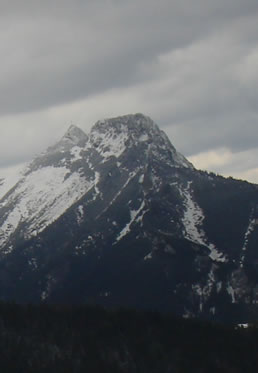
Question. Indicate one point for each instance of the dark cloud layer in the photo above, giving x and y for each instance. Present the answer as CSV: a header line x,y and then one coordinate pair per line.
x,y
191,65
56,53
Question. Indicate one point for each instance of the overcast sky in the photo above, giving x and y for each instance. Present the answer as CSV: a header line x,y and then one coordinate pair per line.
x,y
191,65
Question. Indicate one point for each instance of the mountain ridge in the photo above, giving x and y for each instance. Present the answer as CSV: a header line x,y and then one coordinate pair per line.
x,y
119,217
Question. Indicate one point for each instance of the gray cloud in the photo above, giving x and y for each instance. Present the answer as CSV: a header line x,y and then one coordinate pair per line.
x,y
53,54
192,66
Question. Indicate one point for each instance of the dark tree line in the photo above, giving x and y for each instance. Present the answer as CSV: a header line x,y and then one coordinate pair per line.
x,y
42,338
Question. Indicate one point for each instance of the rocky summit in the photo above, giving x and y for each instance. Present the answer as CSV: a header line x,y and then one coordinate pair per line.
x,y
118,217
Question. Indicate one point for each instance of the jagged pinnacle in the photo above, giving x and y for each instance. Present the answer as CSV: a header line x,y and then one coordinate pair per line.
x,y
74,135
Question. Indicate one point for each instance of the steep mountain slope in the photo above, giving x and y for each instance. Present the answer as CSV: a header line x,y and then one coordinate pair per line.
x,y
119,217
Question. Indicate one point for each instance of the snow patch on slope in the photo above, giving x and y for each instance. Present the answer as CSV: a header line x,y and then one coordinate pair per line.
x,y
133,215
204,291
40,198
249,230
80,214
231,292
110,143
75,152
144,137
192,221
96,181
148,256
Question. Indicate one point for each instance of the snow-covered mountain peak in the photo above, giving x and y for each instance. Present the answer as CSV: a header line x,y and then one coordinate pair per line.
x,y
111,137
131,123
59,177
74,135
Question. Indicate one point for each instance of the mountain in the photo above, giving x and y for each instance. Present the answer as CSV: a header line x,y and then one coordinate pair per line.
x,y
119,217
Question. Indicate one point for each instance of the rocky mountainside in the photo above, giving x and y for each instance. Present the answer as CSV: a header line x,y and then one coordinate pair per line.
x,y
119,217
